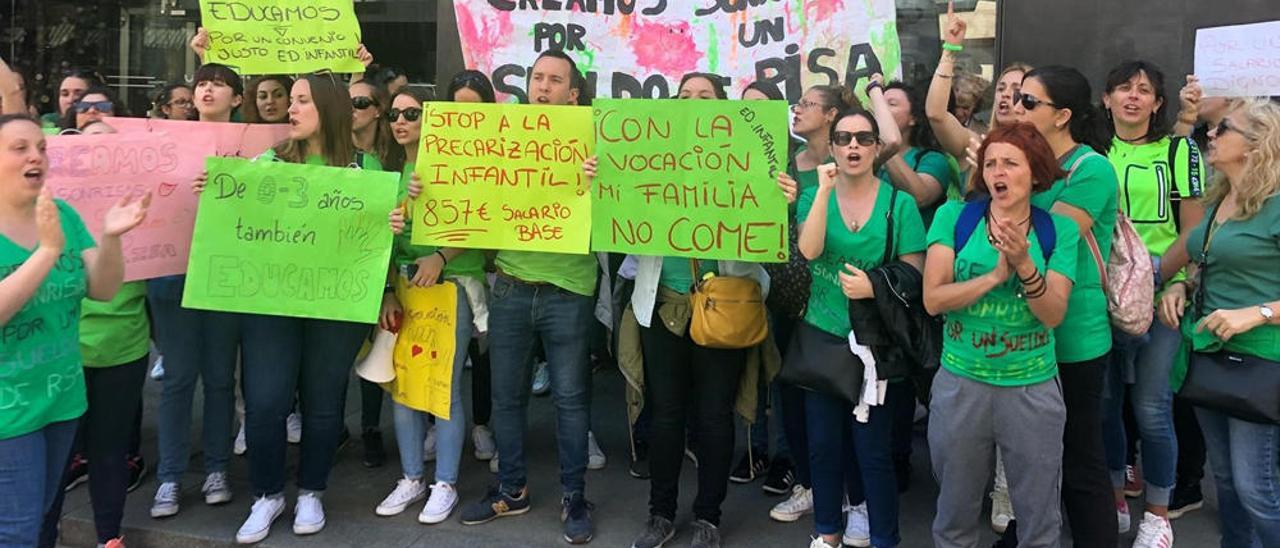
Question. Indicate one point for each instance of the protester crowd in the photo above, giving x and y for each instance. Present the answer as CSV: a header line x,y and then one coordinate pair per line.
x,y
1033,288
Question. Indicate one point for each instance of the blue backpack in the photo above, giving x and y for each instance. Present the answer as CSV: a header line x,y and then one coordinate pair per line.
x,y
974,211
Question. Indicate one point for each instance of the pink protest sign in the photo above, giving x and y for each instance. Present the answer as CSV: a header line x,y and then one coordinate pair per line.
x,y
93,172
240,140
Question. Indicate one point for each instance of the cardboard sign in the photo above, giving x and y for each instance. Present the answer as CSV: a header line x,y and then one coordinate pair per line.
x,y
1239,60
282,36
425,347
232,139
291,240
641,48
499,176
685,178
93,172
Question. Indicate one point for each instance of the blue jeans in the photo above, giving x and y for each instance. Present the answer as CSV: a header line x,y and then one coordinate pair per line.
x,y
1245,460
411,424
519,314
31,467
197,344
284,356
1150,358
847,457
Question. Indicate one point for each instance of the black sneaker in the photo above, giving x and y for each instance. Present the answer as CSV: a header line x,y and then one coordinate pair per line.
x,y
494,505
639,468
137,471
77,472
705,535
1186,498
1009,539
657,531
374,454
576,516
749,469
782,475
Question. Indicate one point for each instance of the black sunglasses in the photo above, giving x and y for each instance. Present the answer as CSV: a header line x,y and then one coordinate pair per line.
x,y
101,106
864,138
410,114
361,102
1225,126
1029,102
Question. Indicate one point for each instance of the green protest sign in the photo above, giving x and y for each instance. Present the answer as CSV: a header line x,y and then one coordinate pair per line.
x,y
503,176
291,240
282,36
690,178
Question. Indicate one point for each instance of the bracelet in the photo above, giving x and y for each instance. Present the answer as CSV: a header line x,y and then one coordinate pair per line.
x,y
952,47
941,75
442,257
873,85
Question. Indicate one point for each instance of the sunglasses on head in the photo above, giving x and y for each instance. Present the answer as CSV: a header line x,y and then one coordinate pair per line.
x,y
362,102
410,114
864,138
100,106
1029,102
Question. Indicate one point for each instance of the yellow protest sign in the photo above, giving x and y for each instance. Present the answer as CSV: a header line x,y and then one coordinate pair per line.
x,y
282,36
501,176
425,347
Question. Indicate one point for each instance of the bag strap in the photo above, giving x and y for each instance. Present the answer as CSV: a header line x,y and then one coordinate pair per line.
x,y
967,222
888,239
1094,250
1204,259
1046,233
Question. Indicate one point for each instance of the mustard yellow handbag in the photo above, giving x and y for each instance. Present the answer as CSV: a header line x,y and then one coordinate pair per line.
x,y
728,311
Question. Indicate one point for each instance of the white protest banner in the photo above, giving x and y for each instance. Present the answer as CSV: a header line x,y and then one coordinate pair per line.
x,y
641,48
1239,60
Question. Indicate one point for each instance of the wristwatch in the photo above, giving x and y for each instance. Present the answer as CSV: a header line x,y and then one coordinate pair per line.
x,y
1267,313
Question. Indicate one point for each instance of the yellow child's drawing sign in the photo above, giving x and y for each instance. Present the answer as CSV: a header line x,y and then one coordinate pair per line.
x,y
425,347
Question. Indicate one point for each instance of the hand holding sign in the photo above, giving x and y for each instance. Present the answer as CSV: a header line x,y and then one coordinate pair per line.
x,y
1189,98
788,187
282,36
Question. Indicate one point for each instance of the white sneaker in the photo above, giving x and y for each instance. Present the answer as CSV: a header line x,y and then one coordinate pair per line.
x,y
293,427
493,463
444,498
1154,532
482,439
240,445
216,489
258,526
166,501
595,457
1001,510
857,527
541,379
157,370
1122,516
799,504
308,514
817,542
429,446
407,491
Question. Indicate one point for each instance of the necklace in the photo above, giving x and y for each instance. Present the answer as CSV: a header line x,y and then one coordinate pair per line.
x,y
1131,141
991,239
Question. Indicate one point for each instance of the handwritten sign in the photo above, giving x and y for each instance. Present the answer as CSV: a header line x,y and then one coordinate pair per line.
x,y
691,178
232,139
93,172
641,48
291,240
282,36
425,347
499,176
1239,60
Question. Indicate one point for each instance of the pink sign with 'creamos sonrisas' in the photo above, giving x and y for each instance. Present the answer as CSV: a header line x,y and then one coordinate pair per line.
x,y
232,139
94,172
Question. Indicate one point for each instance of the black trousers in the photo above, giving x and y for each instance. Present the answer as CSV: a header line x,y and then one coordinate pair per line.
x,y
1191,452
1086,483
106,429
689,384
481,399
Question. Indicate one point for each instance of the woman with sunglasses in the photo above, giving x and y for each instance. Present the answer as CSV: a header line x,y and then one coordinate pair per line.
x,y
269,99
425,266
844,233
1161,179
1007,277
1236,248
95,104
174,102
199,345
1057,101
50,264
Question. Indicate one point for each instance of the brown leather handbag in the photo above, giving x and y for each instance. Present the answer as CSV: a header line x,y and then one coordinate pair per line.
x,y
728,311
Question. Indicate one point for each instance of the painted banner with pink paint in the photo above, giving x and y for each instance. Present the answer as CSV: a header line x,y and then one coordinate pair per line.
x,y
232,139
641,48
93,172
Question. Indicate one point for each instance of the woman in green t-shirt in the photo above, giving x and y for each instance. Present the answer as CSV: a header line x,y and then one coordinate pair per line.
x,y
920,168
425,266
1237,248
1003,293
48,264
844,232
